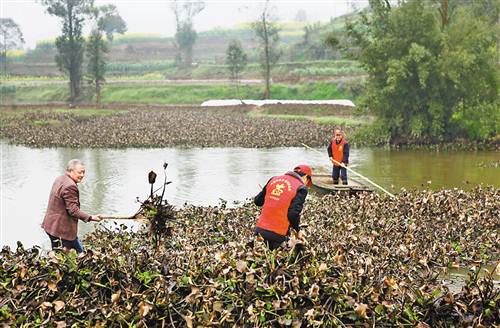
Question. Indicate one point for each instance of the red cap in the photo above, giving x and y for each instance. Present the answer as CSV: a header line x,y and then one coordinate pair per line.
x,y
306,169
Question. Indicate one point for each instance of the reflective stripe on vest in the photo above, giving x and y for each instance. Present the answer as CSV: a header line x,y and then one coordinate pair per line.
x,y
338,151
280,192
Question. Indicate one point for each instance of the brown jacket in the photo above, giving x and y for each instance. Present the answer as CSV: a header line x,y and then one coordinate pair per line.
x,y
63,211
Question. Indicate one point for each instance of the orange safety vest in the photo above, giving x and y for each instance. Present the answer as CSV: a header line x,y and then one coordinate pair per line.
x,y
338,151
280,191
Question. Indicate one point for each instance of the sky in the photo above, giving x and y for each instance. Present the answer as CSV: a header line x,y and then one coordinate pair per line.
x,y
155,16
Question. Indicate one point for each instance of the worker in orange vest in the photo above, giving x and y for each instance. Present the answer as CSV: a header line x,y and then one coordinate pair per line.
x,y
338,151
282,200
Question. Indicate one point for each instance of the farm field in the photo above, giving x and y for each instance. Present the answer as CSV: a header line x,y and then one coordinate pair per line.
x,y
174,93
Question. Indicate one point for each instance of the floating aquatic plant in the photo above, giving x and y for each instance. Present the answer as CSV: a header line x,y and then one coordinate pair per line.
x,y
164,126
369,261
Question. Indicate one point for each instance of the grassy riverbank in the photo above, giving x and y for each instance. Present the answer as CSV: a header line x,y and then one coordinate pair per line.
x,y
147,93
370,260
330,115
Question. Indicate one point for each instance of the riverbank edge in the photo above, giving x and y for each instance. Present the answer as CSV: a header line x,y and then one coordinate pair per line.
x,y
358,137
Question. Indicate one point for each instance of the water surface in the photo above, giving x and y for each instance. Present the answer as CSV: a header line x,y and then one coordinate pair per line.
x,y
115,178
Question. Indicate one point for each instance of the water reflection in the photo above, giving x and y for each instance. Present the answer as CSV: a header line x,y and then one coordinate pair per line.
x,y
201,176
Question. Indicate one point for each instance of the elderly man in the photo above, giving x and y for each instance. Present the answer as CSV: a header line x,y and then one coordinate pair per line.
x,y
338,151
63,210
282,200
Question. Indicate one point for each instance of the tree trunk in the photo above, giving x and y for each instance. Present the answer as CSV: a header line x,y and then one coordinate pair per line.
x,y
74,76
444,13
97,92
267,73
188,59
267,91
4,54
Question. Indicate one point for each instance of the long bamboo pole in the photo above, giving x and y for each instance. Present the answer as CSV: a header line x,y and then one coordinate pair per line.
x,y
358,174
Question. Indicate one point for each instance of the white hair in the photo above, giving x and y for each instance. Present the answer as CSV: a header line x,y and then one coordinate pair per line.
x,y
73,163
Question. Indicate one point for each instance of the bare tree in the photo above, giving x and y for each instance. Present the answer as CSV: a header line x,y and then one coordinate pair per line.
x,y
106,20
236,60
185,35
267,33
12,38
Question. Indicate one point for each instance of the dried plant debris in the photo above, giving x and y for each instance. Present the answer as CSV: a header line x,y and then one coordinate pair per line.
x,y
157,211
492,164
369,261
186,126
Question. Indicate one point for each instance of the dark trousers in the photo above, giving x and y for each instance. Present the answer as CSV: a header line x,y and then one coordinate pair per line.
x,y
272,239
339,170
57,242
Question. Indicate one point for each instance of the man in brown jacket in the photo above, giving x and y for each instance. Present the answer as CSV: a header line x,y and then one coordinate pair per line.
x,y
63,210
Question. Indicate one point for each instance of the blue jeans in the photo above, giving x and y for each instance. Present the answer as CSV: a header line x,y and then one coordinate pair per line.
x,y
339,170
57,242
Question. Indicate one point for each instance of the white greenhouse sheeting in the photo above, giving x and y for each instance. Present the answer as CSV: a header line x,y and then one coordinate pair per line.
x,y
235,102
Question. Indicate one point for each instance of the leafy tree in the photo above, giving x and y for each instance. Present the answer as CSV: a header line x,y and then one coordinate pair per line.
x,y
110,22
425,77
11,38
470,65
185,35
71,44
267,33
107,21
96,67
236,60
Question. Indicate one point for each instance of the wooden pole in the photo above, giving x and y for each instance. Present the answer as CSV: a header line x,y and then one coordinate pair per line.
x,y
119,218
358,174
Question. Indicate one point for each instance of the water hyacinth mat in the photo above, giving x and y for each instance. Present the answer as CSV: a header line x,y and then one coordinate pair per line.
x,y
369,260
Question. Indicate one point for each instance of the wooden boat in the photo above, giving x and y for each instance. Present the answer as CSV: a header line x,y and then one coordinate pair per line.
x,y
324,183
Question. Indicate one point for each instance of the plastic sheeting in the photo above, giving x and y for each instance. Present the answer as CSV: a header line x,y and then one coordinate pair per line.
x,y
235,102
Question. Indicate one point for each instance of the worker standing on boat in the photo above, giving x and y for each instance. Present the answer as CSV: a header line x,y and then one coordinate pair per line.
x,y
338,152
282,200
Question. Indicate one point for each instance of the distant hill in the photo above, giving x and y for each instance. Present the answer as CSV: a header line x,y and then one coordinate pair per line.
x,y
148,53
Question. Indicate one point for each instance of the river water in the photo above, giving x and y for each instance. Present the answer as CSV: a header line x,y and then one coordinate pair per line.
x,y
203,176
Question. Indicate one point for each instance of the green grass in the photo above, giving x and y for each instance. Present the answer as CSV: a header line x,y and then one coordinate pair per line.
x,y
195,94
46,122
88,112
328,120
30,78
41,93
308,111
181,94
165,69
